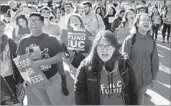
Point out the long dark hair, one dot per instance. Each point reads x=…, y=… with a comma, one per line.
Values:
x=79, y=17
x=21, y=16
x=93, y=58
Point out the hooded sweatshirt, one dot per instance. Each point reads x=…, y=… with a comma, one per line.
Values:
x=111, y=86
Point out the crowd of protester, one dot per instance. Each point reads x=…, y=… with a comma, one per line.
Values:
x=119, y=63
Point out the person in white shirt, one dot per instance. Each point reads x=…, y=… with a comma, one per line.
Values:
x=93, y=22
x=69, y=8
x=49, y=27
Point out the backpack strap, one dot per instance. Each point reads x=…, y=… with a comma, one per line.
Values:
x=133, y=42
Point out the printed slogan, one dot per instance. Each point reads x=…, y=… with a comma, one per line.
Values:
x=75, y=40
x=33, y=76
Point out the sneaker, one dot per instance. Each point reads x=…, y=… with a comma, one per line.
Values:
x=163, y=41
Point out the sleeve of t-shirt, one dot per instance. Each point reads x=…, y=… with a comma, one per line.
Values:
x=21, y=48
x=56, y=47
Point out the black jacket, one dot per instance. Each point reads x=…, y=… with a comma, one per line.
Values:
x=106, y=22
x=116, y=24
x=87, y=83
x=13, y=48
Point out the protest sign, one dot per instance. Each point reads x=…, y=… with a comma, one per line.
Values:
x=75, y=40
x=34, y=77
x=121, y=34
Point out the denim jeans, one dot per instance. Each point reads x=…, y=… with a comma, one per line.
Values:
x=166, y=27
x=50, y=94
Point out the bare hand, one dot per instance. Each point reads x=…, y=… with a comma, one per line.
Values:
x=35, y=63
x=36, y=55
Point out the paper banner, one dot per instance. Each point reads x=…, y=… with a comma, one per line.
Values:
x=75, y=40
x=34, y=77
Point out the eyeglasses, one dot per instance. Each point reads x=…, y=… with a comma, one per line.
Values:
x=146, y=20
x=36, y=21
x=108, y=47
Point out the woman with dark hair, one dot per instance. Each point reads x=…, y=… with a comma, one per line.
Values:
x=62, y=11
x=98, y=11
x=9, y=71
x=118, y=19
x=75, y=23
x=105, y=77
x=22, y=29
x=109, y=18
x=156, y=21
x=142, y=51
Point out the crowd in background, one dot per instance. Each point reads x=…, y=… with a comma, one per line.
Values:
x=120, y=59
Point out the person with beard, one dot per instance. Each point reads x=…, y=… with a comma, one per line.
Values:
x=109, y=18
x=49, y=27
x=105, y=76
x=93, y=21
x=142, y=51
x=69, y=8
x=118, y=19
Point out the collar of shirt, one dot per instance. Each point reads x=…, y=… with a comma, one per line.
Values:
x=141, y=36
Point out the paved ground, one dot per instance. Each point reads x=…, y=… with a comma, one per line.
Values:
x=158, y=95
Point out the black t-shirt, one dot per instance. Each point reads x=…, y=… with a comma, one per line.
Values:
x=43, y=42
